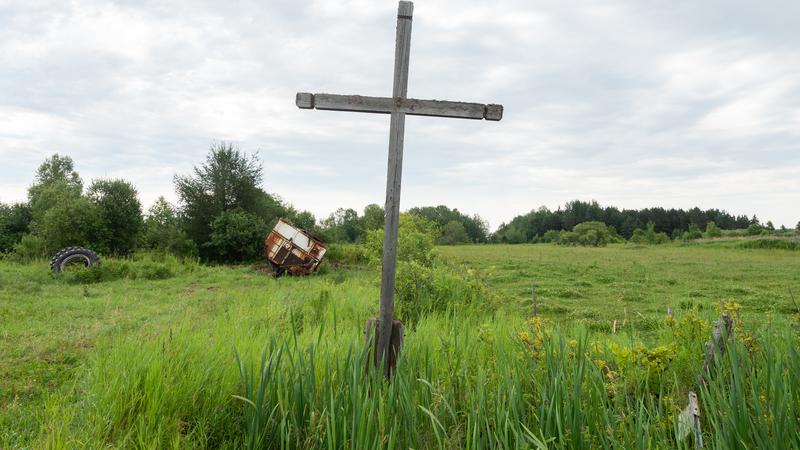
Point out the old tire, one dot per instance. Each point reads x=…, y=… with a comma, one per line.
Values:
x=70, y=255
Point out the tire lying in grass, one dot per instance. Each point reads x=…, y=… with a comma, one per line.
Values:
x=72, y=255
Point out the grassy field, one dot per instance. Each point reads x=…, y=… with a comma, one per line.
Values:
x=636, y=284
x=189, y=356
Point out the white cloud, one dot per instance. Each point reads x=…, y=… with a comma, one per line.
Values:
x=628, y=104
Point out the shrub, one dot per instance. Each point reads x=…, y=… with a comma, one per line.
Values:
x=754, y=229
x=30, y=248
x=237, y=236
x=414, y=242
x=587, y=234
x=421, y=290
x=712, y=230
x=109, y=270
x=141, y=267
x=345, y=254
x=75, y=222
x=638, y=237
x=551, y=236
x=693, y=233
x=648, y=236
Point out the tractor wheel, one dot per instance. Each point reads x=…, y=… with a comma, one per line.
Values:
x=71, y=255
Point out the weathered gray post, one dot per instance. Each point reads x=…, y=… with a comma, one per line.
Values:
x=398, y=106
x=393, y=177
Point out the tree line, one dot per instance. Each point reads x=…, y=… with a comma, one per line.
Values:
x=223, y=215
x=674, y=223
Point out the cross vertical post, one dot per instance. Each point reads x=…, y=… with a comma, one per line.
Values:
x=387, y=336
x=393, y=178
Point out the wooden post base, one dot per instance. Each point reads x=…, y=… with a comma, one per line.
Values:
x=395, y=345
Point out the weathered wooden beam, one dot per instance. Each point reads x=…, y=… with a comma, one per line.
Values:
x=410, y=106
x=395, y=344
x=722, y=329
x=394, y=173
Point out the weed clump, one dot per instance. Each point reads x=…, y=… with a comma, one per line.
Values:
x=141, y=267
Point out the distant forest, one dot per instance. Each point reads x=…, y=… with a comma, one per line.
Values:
x=224, y=213
x=674, y=222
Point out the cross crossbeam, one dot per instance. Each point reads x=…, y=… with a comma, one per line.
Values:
x=398, y=105
x=388, y=105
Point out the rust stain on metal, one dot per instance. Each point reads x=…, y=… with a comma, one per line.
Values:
x=292, y=250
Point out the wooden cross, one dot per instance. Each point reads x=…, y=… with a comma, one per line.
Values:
x=398, y=105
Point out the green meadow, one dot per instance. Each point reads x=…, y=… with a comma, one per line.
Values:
x=154, y=352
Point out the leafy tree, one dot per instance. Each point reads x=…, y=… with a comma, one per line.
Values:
x=121, y=211
x=453, y=233
x=237, y=236
x=56, y=183
x=302, y=219
x=14, y=223
x=770, y=226
x=415, y=241
x=797, y=227
x=228, y=180
x=476, y=228
x=343, y=225
x=162, y=231
x=74, y=222
x=514, y=236
x=373, y=217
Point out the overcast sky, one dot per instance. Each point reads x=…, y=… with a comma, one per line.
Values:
x=633, y=104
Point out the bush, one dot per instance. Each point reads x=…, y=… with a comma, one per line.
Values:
x=693, y=233
x=237, y=236
x=648, y=236
x=30, y=248
x=712, y=230
x=551, y=236
x=76, y=222
x=414, y=242
x=587, y=234
x=754, y=229
x=140, y=267
x=422, y=290
x=345, y=254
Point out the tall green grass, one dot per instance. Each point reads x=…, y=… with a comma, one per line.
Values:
x=461, y=382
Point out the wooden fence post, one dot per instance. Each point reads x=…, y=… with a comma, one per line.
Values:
x=722, y=329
